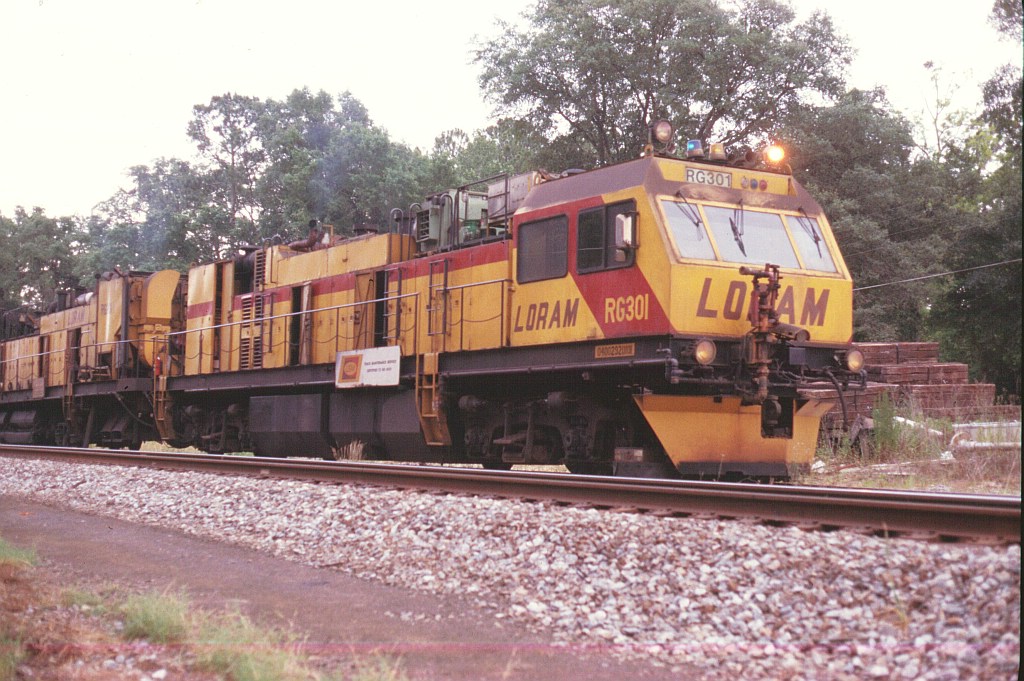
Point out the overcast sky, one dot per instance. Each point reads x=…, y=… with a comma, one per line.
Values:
x=91, y=88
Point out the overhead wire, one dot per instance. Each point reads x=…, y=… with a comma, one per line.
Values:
x=940, y=274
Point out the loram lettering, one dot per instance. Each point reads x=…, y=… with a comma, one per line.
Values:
x=812, y=308
x=545, y=315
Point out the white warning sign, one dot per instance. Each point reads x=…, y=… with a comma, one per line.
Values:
x=372, y=366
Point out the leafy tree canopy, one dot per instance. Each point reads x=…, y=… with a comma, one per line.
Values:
x=596, y=73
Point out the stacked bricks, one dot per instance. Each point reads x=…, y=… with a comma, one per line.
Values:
x=912, y=375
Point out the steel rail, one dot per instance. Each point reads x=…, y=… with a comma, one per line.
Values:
x=936, y=516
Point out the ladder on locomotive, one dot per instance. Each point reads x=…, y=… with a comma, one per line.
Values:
x=253, y=313
x=392, y=305
x=433, y=421
x=68, y=406
x=161, y=406
x=437, y=300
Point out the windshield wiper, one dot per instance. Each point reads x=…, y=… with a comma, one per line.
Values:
x=736, y=223
x=809, y=228
x=690, y=211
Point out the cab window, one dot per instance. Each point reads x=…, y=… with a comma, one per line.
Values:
x=596, y=245
x=809, y=241
x=543, y=251
x=688, y=230
x=750, y=237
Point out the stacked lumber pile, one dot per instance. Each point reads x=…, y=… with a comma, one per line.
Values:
x=918, y=374
x=883, y=354
x=858, y=402
x=912, y=376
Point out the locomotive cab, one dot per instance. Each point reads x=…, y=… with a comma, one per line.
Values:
x=710, y=294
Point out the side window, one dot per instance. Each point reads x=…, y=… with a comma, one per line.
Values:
x=597, y=247
x=590, y=240
x=543, y=251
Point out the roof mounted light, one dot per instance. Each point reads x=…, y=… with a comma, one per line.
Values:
x=774, y=154
x=694, y=149
x=716, y=151
x=661, y=131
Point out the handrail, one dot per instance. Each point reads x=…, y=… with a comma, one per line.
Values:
x=28, y=363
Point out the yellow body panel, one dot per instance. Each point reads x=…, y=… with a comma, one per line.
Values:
x=714, y=300
x=330, y=283
x=202, y=287
x=158, y=296
x=478, y=310
x=577, y=307
x=225, y=336
x=21, y=365
x=551, y=311
x=59, y=331
x=110, y=296
x=700, y=430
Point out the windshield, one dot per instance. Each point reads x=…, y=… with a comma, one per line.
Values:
x=688, y=230
x=746, y=236
x=813, y=250
x=750, y=237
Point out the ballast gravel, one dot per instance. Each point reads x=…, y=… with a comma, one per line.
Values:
x=735, y=599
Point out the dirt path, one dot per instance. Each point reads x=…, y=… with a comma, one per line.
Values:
x=437, y=638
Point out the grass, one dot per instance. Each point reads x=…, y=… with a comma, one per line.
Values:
x=13, y=562
x=377, y=668
x=13, y=557
x=226, y=644
x=159, y=618
x=232, y=646
x=908, y=450
x=12, y=653
x=81, y=598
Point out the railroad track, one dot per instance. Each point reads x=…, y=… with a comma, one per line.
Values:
x=920, y=515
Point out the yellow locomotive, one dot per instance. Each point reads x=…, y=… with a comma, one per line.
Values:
x=81, y=372
x=660, y=316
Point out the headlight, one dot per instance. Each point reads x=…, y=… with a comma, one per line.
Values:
x=704, y=352
x=854, y=360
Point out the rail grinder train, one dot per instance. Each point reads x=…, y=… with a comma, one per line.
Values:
x=658, y=317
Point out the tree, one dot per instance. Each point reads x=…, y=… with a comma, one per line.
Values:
x=889, y=213
x=446, y=159
x=9, y=293
x=944, y=126
x=329, y=161
x=597, y=72
x=166, y=220
x=40, y=256
x=227, y=138
x=978, y=316
x=1008, y=18
x=296, y=134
